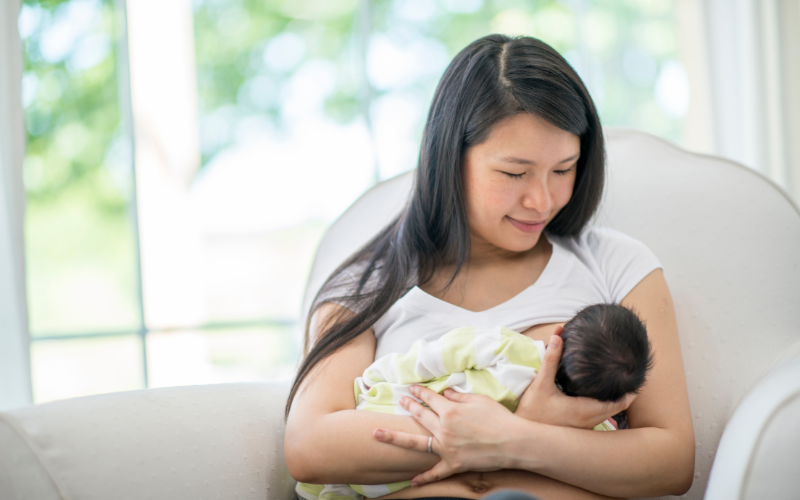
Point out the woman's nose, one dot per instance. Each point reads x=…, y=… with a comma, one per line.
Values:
x=537, y=197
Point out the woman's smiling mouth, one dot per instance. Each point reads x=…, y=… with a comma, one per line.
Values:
x=527, y=226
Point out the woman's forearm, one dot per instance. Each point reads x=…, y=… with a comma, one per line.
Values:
x=655, y=456
x=339, y=447
x=628, y=463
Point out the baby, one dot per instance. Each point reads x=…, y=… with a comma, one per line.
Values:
x=606, y=355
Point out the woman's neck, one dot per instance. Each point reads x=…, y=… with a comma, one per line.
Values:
x=485, y=254
x=491, y=277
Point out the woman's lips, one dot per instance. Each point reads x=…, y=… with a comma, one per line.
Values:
x=527, y=227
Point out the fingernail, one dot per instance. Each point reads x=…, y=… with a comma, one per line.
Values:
x=554, y=341
x=379, y=434
x=403, y=401
x=414, y=389
x=414, y=484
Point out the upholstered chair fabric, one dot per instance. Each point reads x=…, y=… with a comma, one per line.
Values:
x=217, y=441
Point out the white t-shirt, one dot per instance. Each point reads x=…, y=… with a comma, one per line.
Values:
x=600, y=266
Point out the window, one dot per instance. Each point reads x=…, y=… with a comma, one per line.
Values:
x=80, y=250
x=185, y=158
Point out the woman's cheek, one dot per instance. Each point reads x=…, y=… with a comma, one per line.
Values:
x=492, y=200
x=564, y=191
x=502, y=198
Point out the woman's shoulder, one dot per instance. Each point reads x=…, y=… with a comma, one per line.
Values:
x=621, y=261
x=602, y=242
x=605, y=240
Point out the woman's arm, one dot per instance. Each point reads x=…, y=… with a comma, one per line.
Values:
x=328, y=441
x=654, y=457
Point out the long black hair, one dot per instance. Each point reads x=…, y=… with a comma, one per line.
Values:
x=492, y=79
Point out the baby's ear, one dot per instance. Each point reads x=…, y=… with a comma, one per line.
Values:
x=559, y=330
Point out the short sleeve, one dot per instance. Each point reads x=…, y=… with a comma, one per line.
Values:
x=623, y=261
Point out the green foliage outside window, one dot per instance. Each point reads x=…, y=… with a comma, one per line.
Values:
x=79, y=249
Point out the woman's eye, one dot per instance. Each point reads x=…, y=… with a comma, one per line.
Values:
x=563, y=172
x=514, y=176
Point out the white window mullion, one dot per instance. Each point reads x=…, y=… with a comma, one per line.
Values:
x=163, y=93
x=127, y=123
x=15, y=378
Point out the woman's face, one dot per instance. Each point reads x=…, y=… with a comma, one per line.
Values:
x=516, y=181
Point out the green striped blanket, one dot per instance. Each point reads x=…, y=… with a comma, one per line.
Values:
x=496, y=362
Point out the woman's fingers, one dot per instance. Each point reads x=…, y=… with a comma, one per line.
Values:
x=436, y=473
x=552, y=357
x=415, y=442
x=466, y=432
x=624, y=403
x=424, y=416
x=458, y=397
x=592, y=412
x=431, y=398
x=617, y=406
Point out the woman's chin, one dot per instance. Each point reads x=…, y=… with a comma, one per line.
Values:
x=505, y=241
x=520, y=245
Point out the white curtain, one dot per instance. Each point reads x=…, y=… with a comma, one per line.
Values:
x=15, y=373
x=753, y=64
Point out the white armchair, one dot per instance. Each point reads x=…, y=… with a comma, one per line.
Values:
x=730, y=244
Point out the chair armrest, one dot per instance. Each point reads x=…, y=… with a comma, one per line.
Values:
x=759, y=453
x=181, y=442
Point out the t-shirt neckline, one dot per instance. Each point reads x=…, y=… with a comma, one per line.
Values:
x=544, y=286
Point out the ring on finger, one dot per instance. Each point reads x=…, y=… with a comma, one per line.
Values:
x=430, y=442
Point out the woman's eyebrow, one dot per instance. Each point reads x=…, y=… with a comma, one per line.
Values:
x=573, y=157
x=523, y=161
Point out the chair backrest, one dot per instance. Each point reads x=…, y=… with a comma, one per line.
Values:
x=729, y=241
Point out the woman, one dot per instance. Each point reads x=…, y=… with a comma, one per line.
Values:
x=512, y=148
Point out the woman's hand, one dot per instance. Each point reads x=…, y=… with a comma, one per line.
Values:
x=467, y=431
x=543, y=402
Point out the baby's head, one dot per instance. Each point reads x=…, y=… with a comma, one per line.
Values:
x=606, y=353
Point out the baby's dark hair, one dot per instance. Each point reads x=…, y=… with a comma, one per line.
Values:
x=606, y=353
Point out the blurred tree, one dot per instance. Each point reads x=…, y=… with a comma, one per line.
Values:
x=248, y=51
x=77, y=171
x=72, y=111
